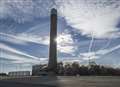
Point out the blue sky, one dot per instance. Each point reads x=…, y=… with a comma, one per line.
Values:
x=86, y=29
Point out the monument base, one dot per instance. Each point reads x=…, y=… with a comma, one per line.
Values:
x=51, y=73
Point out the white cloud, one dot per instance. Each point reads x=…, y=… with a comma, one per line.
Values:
x=64, y=39
x=69, y=59
x=25, y=10
x=89, y=17
x=12, y=38
x=2, y=8
x=7, y=48
x=65, y=43
x=93, y=17
x=17, y=56
x=34, y=38
x=116, y=65
x=99, y=53
x=66, y=49
x=25, y=38
x=106, y=51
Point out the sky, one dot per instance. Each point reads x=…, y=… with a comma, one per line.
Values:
x=87, y=29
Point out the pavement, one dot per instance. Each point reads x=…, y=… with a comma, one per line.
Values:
x=62, y=81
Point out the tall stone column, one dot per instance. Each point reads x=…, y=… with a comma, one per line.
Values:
x=52, y=63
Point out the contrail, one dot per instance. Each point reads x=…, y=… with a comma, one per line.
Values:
x=107, y=45
x=107, y=51
x=91, y=44
x=7, y=48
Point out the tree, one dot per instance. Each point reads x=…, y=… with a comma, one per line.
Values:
x=60, y=68
x=75, y=68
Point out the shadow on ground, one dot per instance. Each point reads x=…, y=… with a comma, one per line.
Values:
x=45, y=81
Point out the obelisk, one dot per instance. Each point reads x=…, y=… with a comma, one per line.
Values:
x=52, y=63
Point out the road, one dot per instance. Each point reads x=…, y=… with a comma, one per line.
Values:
x=66, y=81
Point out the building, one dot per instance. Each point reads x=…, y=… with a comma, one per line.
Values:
x=19, y=73
x=38, y=70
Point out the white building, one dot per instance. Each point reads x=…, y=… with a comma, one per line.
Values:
x=19, y=73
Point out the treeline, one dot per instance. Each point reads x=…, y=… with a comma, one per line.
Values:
x=3, y=74
x=77, y=69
